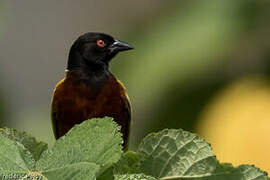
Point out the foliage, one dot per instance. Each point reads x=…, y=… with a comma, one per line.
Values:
x=92, y=150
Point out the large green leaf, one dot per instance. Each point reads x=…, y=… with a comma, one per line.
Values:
x=86, y=151
x=172, y=153
x=243, y=172
x=18, y=153
x=30, y=143
x=95, y=141
x=180, y=155
x=76, y=171
x=14, y=157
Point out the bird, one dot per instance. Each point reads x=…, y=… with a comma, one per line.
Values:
x=89, y=89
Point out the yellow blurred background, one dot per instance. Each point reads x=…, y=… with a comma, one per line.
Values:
x=202, y=66
x=237, y=122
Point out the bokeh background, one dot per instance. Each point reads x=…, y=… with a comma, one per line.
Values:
x=203, y=66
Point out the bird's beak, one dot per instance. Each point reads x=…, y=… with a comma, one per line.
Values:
x=118, y=46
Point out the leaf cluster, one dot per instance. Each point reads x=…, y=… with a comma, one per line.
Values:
x=92, y=150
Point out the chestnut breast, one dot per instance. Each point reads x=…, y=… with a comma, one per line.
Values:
x=74, y=101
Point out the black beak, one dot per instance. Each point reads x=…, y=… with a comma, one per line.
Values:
x=118, y=46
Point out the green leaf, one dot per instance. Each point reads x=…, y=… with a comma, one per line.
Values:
x=106, y=173
x=180, y=155
x=130, y=163
x=96, y=141
x=133, y=177
x=224, y=168
x=14, y=157
x=74, y=171
x=172, y=153
x=251, y=172
x=18, y=153
x=26, y=140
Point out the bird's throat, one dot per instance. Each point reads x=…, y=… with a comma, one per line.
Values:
x=95, y=80
x=92, y=73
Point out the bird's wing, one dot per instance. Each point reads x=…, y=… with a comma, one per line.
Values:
x=55, y=117
x=127, y=117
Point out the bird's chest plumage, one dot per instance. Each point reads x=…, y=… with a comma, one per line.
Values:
x=75, y=101
x=87, y=102
x=105, y=102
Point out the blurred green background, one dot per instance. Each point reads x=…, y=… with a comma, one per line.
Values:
x=202, y=66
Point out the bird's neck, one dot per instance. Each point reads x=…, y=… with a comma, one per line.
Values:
x=93, y=74
x=84, y=74
x=94, y=80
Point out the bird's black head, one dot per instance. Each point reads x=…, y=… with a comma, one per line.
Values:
x=93, y=51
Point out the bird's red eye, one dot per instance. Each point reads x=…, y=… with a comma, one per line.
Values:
x=100, y=43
